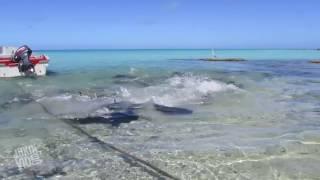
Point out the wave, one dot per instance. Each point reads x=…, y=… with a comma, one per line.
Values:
x=176, y=91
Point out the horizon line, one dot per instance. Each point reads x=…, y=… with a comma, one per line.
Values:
x=102, y=49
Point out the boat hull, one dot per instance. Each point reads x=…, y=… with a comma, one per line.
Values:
x=8, y=68
x=13, y=71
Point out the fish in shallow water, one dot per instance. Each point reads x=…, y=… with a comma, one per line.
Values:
x=21, y=99
x=123, y=105
x=172, y=110
x=115, y=119
x=124, y=76
x=129, y=79
x=51, y=73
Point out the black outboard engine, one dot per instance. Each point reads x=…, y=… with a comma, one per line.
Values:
x=22, y=56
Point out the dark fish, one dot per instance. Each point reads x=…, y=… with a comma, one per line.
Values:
x=172, y=110
x=123, y=106
x=47, y=174
x=129, y=79
x=115, y=119
x=124, y=76
x=51, y=73
x=4, y=120
x=21, y=99
x=134, y=82
x=317, y=110
x=241, y=86
x=178, y=74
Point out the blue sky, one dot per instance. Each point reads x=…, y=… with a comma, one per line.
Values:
x=69, y=24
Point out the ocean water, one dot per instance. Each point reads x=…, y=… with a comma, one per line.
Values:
x=258, y=119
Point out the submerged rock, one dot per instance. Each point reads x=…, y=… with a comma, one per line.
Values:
x=172, y=110
x=115, y=119
x=275, y=150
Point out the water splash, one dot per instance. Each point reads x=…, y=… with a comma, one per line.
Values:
x=177, y=90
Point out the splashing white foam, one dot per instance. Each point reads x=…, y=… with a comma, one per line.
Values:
x=178, y=90
x=67, y=104
x=175, y=91
x=124, y=92
x=133, y=71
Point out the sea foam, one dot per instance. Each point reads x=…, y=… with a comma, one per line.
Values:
x=177, y=90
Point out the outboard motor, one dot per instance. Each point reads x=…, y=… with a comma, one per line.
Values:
x=22, y=56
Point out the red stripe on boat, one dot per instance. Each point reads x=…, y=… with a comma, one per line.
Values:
x=7, y=61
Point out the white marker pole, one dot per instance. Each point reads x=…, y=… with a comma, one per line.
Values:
x=213, y=54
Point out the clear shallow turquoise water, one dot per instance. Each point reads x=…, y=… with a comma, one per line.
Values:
x=63, y=60
x=254, y=119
